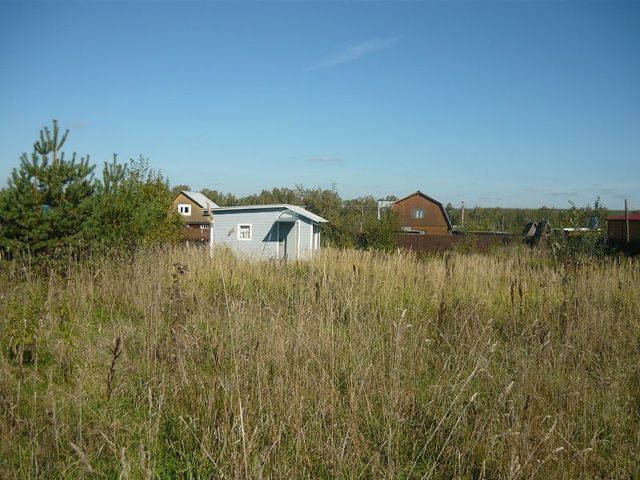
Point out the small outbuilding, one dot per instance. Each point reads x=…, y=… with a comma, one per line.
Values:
x=534, y=232
x=419, y=213
x=617, y=227
x=619, y=230
x=279, y=231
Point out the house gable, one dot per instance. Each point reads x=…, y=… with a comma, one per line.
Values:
x=423, y=213
x=195, y=213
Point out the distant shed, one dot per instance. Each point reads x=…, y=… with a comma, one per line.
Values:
x=617, y=232
x=280, y=231
x=534, y=232
x=422, y=214
x=617, y=227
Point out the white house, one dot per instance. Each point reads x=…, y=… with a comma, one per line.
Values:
x=278, y=231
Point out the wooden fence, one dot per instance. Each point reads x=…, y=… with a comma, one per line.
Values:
x=480, y=242
x=632, y=248
x=196, y=234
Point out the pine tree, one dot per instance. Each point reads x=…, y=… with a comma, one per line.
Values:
x=46, y=204
x=110, y=225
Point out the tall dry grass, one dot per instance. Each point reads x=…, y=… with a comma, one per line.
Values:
x=353, y=365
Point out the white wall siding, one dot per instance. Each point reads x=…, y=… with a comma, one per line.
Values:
x=306, y=230
x=264, y=233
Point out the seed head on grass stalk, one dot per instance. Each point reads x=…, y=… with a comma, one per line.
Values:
x=116, y=351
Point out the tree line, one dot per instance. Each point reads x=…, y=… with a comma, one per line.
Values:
x=513, y=220
x=351, y=218
x=55, y=205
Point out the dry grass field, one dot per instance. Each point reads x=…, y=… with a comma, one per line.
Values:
x=353, y=365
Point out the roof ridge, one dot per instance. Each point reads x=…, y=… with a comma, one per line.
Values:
x=294, y=208
x=192, y=195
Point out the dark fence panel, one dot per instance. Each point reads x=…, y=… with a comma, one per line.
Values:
x=438, y=243
x=632, y=248
x=196, y=234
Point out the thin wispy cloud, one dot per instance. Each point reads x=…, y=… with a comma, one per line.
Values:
x=355, y=51
x=326, y=160
x=564, y=194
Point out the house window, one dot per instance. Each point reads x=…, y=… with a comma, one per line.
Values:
x=244, y=232
x=184, y=209
x=418, y=213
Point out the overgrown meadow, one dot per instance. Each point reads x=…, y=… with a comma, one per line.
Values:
x=171, y=364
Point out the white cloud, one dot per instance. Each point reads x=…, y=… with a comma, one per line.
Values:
x=355, y=51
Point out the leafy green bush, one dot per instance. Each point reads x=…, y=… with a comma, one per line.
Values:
x=54, y=208
x=380, y=234
x=133, y=207
x=579, y=245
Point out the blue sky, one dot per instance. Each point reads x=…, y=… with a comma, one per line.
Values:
x=497, y=104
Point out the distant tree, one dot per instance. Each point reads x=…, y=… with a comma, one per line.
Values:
x=584, y=217
x=452, y=213
x=219, y=198
x=322, y=201
x=380, y=234
x=360, y=211
x=276, y=195
x=479, y=224
x=573, y=247
x=328, y=204
x=179, y=188
x=48, y=198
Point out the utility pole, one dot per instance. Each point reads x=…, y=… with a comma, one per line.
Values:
x=462, y=216
x=626, y=220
